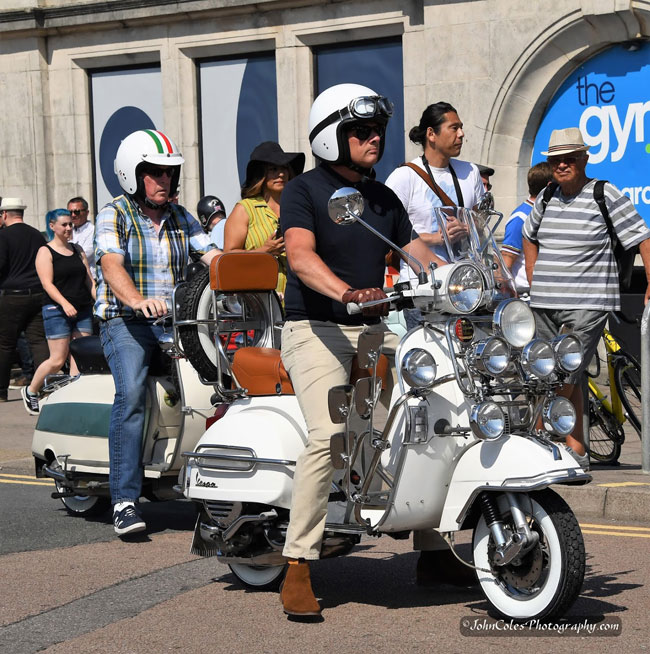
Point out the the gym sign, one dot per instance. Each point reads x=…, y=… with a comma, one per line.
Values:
x=608, y=98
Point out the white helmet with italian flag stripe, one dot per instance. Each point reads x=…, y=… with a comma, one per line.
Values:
x=145, y=146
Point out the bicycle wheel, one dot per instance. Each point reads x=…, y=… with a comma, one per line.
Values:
x=605, y=434
x=627, y=376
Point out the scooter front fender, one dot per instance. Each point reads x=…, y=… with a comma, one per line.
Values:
x=512, y=463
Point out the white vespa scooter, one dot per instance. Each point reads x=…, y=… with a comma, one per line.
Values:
x=459, y=449
x=70, y=442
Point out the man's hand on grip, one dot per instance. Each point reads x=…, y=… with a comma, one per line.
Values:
x=359, y=296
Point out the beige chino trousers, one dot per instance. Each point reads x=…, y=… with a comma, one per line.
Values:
x=317, y=356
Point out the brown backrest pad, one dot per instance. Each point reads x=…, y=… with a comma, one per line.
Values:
x=243, y=271
x=261, y=372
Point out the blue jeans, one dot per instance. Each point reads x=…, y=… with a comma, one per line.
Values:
x=128, y=346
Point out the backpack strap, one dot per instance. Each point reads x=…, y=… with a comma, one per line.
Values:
x=548, y=194
x=599, y=196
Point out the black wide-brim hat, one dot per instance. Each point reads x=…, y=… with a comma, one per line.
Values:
x=270, y=152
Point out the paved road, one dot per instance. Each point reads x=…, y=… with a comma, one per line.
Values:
x=68, y=585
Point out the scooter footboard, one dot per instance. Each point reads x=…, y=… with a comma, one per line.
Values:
x=510, y=463
x=249, y=455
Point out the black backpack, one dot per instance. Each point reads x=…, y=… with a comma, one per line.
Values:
x=624, y=258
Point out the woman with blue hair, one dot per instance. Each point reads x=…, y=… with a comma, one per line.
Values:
x=63, y=270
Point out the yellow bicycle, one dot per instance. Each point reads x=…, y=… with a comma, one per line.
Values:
x=607, y=416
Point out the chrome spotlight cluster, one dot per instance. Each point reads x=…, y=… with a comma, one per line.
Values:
x=513, y=347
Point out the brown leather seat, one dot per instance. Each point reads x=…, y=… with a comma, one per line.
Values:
x=260, y=371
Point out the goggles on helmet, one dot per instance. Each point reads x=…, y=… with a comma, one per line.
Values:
x=364, y=107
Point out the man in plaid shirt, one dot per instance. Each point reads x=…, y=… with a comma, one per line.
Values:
x=142, y=248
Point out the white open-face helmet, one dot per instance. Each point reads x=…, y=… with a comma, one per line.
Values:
x=338, y=106
x=145, y=146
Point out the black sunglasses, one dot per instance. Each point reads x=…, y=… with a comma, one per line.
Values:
x=364, y=132
x=157, y=173
x=567, y=159
x=76, y=212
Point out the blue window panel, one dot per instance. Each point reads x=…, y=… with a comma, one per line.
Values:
x=238, y=111
x=377, y=65
x=123, y=101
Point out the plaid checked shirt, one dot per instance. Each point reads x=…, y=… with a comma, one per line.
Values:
x=155, y=262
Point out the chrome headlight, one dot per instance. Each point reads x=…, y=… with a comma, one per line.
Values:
x=568, y=351
x=538, y=359
x=465, y=288
x=488, y=421
x=514, y=320
x=559, y=416
x=419, y=368
x=490, y=356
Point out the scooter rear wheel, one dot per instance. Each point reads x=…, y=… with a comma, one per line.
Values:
x=197, y=303
x=259, y=577
x=84, y=506
x=544, y=582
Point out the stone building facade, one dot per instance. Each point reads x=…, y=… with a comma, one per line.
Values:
x=498, y=61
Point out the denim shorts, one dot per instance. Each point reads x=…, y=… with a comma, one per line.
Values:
x=58, y=325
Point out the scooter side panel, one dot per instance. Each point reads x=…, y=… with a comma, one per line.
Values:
x=273, y=428
x=74, y=420
x=422, y=470
x=196, y=396
x=510, y=462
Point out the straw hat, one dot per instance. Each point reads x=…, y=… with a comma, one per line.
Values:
x=565, y=141
x=12, y=204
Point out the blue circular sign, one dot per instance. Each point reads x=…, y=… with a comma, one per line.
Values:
x=607, y=98
x=122, y=123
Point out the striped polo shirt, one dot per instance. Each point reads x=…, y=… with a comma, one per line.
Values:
x=575, y=267
x=155, y=261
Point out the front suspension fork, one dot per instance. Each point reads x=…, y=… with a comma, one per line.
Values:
x=509, y=544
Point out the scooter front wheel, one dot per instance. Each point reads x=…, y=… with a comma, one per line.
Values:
x=259, y=577
x=84, y=506
x=544, y=582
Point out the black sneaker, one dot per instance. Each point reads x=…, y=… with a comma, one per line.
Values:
x=30, y=401
x=128, y=521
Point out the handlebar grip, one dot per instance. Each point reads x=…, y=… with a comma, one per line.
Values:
x=353, y=308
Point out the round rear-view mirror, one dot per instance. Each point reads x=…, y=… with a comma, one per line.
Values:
x=345, y=206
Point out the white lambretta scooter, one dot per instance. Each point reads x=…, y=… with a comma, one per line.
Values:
x=70, y=442
x=460, y=449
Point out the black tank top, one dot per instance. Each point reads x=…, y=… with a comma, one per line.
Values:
x=70, y=279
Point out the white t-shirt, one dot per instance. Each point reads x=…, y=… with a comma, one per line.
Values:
x=420, y=201
x=84, y=237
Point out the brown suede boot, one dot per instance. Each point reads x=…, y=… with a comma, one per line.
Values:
x=296, y=594
x=442, y=567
